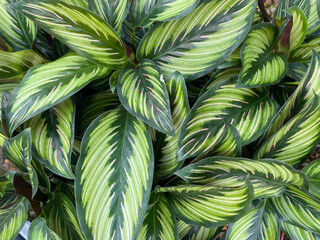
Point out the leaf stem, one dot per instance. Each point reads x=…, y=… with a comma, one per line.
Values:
x=290, y=83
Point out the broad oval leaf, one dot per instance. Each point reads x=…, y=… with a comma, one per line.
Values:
x=296, y=233
x=312, y=171
x=144, y=12
x=220, y=115
x=39, y=230
x=143, y=93
x=49, y=84
x=191, y=232
x=114, y=176
x=81, y=30
x=209, y=206
x=197, y=43
x=52, y=135
x=261, y=65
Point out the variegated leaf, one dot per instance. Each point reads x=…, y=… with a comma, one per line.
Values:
x=61, y=216
x=144, y=12
x=18, y=31
x=143, y=93
x=299, y=27
x=39, y=230
x=49, y=84
x=209, y=206
x=296, y=233
x=304, y=53
x=233, y=60
x=280, y=11
x=114, y=176
x=160, y=220
x=313, y=19
x=261, y=65
x=312, y=171
x=114, y=12
x=260, y=223
x=79, y=3
x=113, y=81
x=81, y=30
x=191, y=232
x=130, y=35
x=197, y=43
x=297, y=139
x=222, y=114
x=52, y=135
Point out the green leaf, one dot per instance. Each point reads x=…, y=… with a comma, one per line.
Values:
x=190, y=232
x=114, y=176
x=209, y=206
x=259, y=223
x=280, y=11
x=197, y=43
x=81, y=30
x=298, y=208
x=18, y=31
x=13, y=215
x=52, y=134
x=143, y=93
x=169, y=162
x=313, y=19
x=144, y=12
x=295, y=141
x=159, y=221
x=80, y=3
x=222, y=114
x=49, y=84
x=299, y=27
x=304, y=53
x=261, y=65
x=296, y=233
x=113, y=81
x=114, y=12
x=312, y=171
x=39, y=230
x=60, y=215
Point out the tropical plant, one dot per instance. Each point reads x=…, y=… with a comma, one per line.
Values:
x=172, y=119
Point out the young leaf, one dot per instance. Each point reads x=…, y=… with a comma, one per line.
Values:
x=114, y=176
x=299, y=27
x=312, y=171
x=49, y=84
x=143, y=93
x=81, y=30
x=197, y=43
x=296, y=233
x=191, y=232
x=39, y=230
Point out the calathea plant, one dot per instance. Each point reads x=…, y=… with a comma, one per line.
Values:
x=173, y=119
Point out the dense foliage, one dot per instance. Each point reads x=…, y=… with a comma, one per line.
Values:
x=160, y=119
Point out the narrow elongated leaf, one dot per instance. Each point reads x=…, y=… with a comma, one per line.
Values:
x=81, y=30
x=260, y=223
x=160, y=220
x=299, y=28
x=49, y=84
x=261, y=65
x=169, y=162
x=39, y=230
x=197, y=43
x=114, y=12
x=220, y=115
x=114, y=176
x=296, y=233
x=144, y=12
x=297, y=139
x=52, y=136
x=313, y=19
x=283, y=5
x=143, y=93
x=18, y=31
x=13, y=215
x=60, y=215
x=190, y=232
x=298, y=208
x=312, y=171
x=209, y=206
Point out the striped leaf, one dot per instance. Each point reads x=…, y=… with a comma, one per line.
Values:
x=159, y=221
x=299, y=27
x=60, y=215
x=169, y=162
x=297, y=71
x=143, y=93
x=6, y=87
x=13, y=215
x=39, y=230
x=49, y=84
x=312, y=171
x=282, y=93
x=114, y=12
x=52, y=134
x=222, y=114
x=144, y=12
x=261, y=65
x=260, y=223
x=114, y=176
x=295, y=141
x=233, y=60
x=81, y=30
x=298, y=208
x=303, y=54
x=300, y=99
x=113, y=81
x=296, y=233
x=209, y=206
x=313, y=19
x=18, y=151
x=80, y=3
x=283, y=5
x=18, y=31
x=130, y=35
x=190, y=232
x=197, y=43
